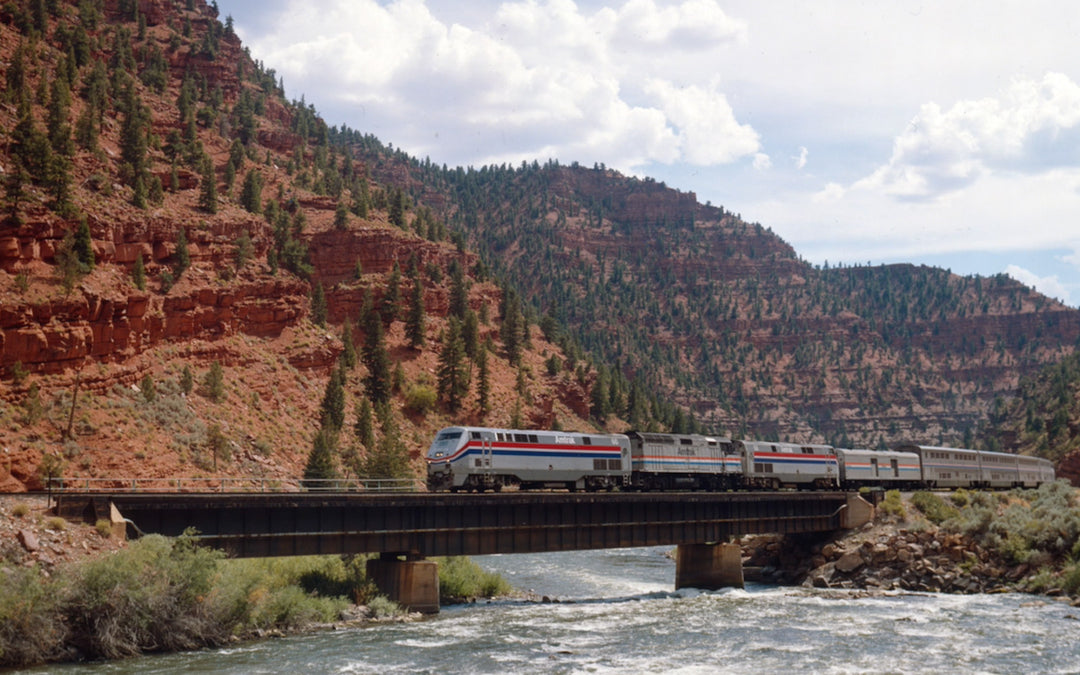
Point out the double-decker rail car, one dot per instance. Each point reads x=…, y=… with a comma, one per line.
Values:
x=998, y=470
x=947, y=467
x=682, y=462
x=481, y=458
x=775, y=465
x=873, y=468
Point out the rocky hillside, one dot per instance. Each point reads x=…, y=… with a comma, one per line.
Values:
x=185, y=254
x=1042, y=417
x=695, y=301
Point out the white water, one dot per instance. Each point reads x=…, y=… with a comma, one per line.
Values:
x=617, y=613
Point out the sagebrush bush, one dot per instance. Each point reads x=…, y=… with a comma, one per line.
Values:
x=420, y=399
x=32, y=627
x=461, y=577
x=893, y=505
x=936, y=509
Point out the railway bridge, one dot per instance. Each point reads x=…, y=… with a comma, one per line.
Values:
x=407, y=528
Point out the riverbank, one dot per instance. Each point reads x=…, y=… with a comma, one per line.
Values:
x=960, y=542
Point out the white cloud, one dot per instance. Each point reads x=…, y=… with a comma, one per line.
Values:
x=1050, y=286
x=541, y=79
x=800, y=161
x=1033, y=126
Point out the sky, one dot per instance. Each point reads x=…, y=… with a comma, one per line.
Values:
x=862, y=132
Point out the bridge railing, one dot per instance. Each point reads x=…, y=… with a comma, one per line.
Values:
x=227, y=484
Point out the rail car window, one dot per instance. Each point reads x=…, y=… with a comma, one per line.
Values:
x=585, y=440
x=807, y=451
x=763, y=468
x=521, y=438
x=685, y=441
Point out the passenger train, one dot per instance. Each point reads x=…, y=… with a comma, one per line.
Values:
x=481, y=458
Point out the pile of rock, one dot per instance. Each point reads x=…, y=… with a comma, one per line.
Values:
x=885, y=558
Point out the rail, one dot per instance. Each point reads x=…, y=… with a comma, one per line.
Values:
x=223, y=484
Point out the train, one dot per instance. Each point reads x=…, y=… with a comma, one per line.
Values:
x=467, y=458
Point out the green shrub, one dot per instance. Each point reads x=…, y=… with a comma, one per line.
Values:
x=420, y=399
x=893, y=505
x=460, y=577
x=960, y=498
x=382, y=607
x=150, y=595
x=103, y=527
x=936, y=509
x=32, y=628
x=56, y=524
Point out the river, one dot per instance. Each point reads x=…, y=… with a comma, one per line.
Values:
x=616, y=612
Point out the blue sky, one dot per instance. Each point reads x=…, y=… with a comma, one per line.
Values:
x=942, y=133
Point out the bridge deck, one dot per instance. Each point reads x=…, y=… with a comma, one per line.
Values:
x=282, y=524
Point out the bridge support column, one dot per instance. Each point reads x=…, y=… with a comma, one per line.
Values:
x=858, y=512
x=708, y=566
x=413, y=584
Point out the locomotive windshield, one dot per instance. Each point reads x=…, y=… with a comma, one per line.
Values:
x=448, y=436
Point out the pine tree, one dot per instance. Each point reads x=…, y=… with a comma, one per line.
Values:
x=452, y=374
x=348, y=352
x=318, y=306
x=214, y=383
x=341, y=217
x=389, y=458
x=392, y=295
x=397, y=208
x=512, y=330
x=459, y=292
x=138, y=273
x=332, y=408
x=208, y=187
x=251, y=193
x=68, y=267
x=84, y=245
x=320, y=465
x=181, y=257
x=483, y=385
x=365, y=424
x=377, y=360
x=414, y=324
x=470, y=334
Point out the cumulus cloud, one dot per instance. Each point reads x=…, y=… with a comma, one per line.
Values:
x=540, y=79
x=1032, y=127
x=1050, y=286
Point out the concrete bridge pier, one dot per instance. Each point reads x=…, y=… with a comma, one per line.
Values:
x=408, y=580
x=708, y=566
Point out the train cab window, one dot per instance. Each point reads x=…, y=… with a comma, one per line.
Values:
x=449, y=436
x=585, y=440
x=521, y=438
x=533, y=438
x=476, y=435
x=807, y=451
x=685, y=441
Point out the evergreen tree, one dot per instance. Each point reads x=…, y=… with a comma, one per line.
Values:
x=348, y=353
x=512, y=330
x=181, y=257
x=187, y=378
x=392, y=296
x=332, y=408
x=483, y=385
x=470, y=334
x=318, y=306
x=320, y=465
x=390, y=457
x=84, y=246
x=452, y=372
x=208, y=187
x=365, y=424
x=414, y=324
x=397, y=208
x=68, y=267
x=214, y=382
x=133, y=134
x=138, y=273
x=251, y=193
x=377, y=360
x=341, y=217
x=459, y=292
